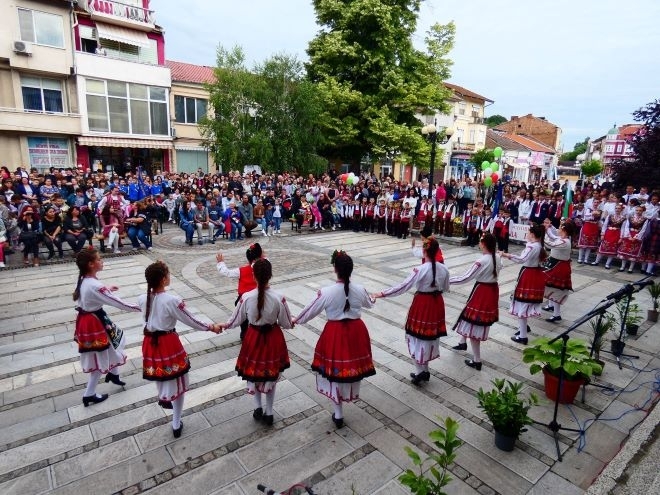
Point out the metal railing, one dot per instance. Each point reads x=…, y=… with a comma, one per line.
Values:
x=119, y=9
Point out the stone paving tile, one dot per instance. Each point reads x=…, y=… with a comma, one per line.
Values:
x=34, y=483
x=365, y=476
x=579, y=468
x=552, y=484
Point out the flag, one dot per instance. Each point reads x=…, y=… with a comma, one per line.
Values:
x=498, y=200
x=143, y=189
x=568, y=201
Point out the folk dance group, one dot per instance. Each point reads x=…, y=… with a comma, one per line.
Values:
x=342, y=357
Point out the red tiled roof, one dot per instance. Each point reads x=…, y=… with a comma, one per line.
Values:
x=190, y=73
x=466, y=92
x=530, y=143
x=629, y=130
x=501, y=139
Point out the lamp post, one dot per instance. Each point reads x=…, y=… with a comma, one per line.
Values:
x=430, y=132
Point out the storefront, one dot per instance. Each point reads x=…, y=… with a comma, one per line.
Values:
x=45, y=152
x=189, y=159
x=460, y=165
x=114, y=155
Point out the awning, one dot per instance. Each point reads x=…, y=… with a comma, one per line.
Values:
x=122, y=35
x=189, y=148
x=109, y=142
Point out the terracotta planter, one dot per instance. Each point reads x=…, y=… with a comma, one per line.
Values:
x=569, y=388
x=504, y=442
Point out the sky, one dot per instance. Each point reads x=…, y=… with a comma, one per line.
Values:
x=583, y=64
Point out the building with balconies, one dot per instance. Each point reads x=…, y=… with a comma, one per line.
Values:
x=39, y=110
x=123, y=87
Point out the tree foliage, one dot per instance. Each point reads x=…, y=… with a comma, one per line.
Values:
x=266, y=116
x=591, y=168
x=484, y=155
x=643, y=168
x=495, y=120
x=373, y=81
x=578, y=149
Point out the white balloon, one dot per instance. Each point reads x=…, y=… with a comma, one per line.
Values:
x=488, y=172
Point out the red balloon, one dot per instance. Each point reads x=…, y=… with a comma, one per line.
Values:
x=343, y=177
x=494, y=176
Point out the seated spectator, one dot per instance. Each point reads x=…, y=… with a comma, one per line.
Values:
x=139, y=226
x=216, y=224
x=76, y=229
x=234, y=222
x=51, y=229
x=187, y=221
x=29, y=235
x=201, y=216
x=247, y=215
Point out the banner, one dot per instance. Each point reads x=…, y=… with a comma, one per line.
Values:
x=518, y=232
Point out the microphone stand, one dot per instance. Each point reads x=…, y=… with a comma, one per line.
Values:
x=554, y=426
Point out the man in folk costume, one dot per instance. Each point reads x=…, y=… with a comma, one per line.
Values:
x=555, y=211
x=371, y=215
x=467, y=216
x=501, y=230
x=380, y=214
x=393, y=218
x=439, y=223
x=449, y=213
x=357, y=216
x=539, y=210
x=347, y=215
x=404, y=222
x=475, y=225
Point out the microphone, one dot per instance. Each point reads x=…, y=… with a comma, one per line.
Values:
x=642, y=283
x=623, y=291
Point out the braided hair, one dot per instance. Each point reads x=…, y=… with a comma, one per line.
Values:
x=154, y=274
x=538, y=231
x=83, y=259
x=344, y=268
x=431, y=248
x=490, y=242
x=263, y=272
x=253, y=252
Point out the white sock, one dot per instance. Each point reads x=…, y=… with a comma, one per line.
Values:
x=463, y=340
x=257, y=399
x=623, y=264
x=177, y=409
x=339, y=412
x=556, y=309
x=580, y=254
x=419, y=368
x=94, y=378
x=649, y=267
x=609, y=261
x=599, y=257
x=632, y=266
x=587, y=253
x=522, y=327
x=425, y=367
x=476, y=350
x=270, y=398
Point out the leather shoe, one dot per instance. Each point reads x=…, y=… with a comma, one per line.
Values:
x=519, y=340
x=553, y=319
x=339, y=422
x=94, y=399
x=111, y=377
x=177, y=432
x=529, y=330
x=547, y=308
x=473, y=364
x=267, y=419
x=258, y=414
x=424, y=376
x=165, y=404
x=460, y=347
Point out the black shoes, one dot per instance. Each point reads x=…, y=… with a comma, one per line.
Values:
x=267, y=419
x=519, y=340
x=473, y=364
x=258, y=414
x=111, y=377
x=529, y=330
x=177, y=432
x=339, y=422
x=547, y=308
x=94, y=399
x=553, y=319
x=460, y=347
x=165, y=404
x=416, y=379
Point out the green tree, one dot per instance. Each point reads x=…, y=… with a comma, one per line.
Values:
x=495, y=120
x=578, y=149
x=266, y=116
x=373, y=81
x=481, y=156
x=591, y=168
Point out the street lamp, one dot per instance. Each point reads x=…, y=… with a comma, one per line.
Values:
x=430, y=132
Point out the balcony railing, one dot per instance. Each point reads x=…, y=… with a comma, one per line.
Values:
x=122, y=10
x=463, y=146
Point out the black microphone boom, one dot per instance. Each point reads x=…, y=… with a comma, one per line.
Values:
x=643, y=283
x=623, y=291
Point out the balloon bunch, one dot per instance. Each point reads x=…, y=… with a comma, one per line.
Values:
x=489, y=169
x=350, y=179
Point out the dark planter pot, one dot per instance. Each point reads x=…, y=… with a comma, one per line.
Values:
x=504, y=442
x=632, y=329
x=652, y=315
x=569, y=388
x=602, y=364
x=617, y=347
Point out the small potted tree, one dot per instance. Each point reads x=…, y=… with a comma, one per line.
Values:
x=578, y=366
x=631, y=319
x=507, y=411
x=600, y=328
x=654, y=292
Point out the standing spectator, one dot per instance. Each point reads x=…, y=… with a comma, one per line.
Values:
x=342, y=357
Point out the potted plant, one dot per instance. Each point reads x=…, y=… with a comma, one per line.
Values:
x=578, y=366
x=654, y=292
x=632, y=319
x=507, y=411
x=600, y=328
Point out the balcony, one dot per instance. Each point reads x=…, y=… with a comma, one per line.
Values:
x=15, y=120
x=478, y=120
x=458, y=146
x=120, y=13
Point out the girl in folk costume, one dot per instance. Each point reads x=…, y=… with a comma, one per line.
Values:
x=100, y=342
x=418, y=252
x=651, y=245
x=611, y=236
x=558, y=267
x=425, y=323
x=342, y=357
x=163, y=358
x=425, y=208
x=481, y=309
x=244, y=274
x=404, y=221
x=381, y=215
x=449, y=213
x=488, y=221
x=501, y=230
x=588, y=239
x=264, y=354
x=530, y=288
x=633, y=233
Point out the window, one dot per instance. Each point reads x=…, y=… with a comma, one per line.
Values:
x=41, y=28
x=45, y=152
x=42, y=95
x=126, y=108
x=472, y=135
x=461, y=108
x=476, y=109
x=189, y=110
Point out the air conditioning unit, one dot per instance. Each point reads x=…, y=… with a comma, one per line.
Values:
x=173, y=132
x=22, y=47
